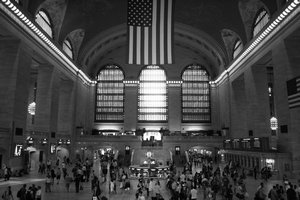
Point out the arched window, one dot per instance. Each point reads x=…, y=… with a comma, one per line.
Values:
x=261, y=20
x=110, y=95
x=238, y=47
x=195, y=94
x=44, y=21
x=67, y=47
x=152, y=105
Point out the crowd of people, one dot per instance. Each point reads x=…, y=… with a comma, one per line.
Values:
x=199, y=177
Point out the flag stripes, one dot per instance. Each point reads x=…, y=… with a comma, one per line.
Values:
x=293, y=89
x=150, y=32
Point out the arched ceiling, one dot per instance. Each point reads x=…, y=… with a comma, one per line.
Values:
x=198, y=29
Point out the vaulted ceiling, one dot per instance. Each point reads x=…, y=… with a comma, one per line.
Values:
x=205, y=30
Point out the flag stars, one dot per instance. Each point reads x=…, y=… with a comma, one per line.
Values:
x=139, y=13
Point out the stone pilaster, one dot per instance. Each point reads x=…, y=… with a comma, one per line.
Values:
x=174, y=105
x=47, y=99
x=238, y=105
x=130, y=106
x=66, y=108
x=256, y=91
x=14, y=82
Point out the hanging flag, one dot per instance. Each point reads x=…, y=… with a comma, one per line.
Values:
x=150, y=32
x=293, y=89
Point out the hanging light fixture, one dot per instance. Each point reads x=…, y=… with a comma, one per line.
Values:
x=31, y=108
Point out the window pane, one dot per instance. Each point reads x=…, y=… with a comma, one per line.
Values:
x=238, y=47
x=110, y=95
x=152, y=95
x=44, y=22
x=67, y=47
x=261, y=20
x=195, y=95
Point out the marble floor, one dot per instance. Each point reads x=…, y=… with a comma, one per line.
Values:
x=59, y=191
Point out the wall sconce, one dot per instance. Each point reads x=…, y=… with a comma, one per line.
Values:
x=44, y=141
x=274, y=123
x=60, y=141
x=29, y=140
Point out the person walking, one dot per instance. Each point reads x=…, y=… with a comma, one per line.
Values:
x=48, y=183
x=77, y=182
x=272, y=195
x=7, y=195
x=194, y=193
x=255, y=172
x=260, y=195
x=21, y=194
x=58, y=175
x=291, y=193
x=68, y=181
x=38, y=195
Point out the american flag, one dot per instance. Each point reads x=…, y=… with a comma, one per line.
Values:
x=150, y=32
x=293, y=90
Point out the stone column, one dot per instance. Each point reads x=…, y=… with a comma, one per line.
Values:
x=14, y=82
x=223, y=95
x=47, y=100
x=214, y=108
x=238, y=108
x=130, y=106
x=174, y=106
x=66, y=108
x=257, y=110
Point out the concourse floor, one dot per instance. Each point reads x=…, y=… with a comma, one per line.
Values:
x=59, y=191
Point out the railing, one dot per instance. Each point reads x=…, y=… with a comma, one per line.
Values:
x=152, y=143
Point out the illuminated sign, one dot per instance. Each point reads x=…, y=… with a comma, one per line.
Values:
x=18, y=149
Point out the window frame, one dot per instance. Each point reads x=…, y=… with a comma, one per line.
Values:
x=257, y=21
x=188, y=94
x=68, y=47
x=112, y=94
x=48, y=21
x=235, y=48
x=165, y=94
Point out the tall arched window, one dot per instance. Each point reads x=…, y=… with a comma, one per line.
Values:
x=110, y=95
x=44, y=21
x=195, y=94
x=261, y=20
x=152, y=95
x=67, y=47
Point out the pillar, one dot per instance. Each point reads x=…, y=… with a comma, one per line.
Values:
x=174, y=106
x=130, y=106
x=14, y=82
